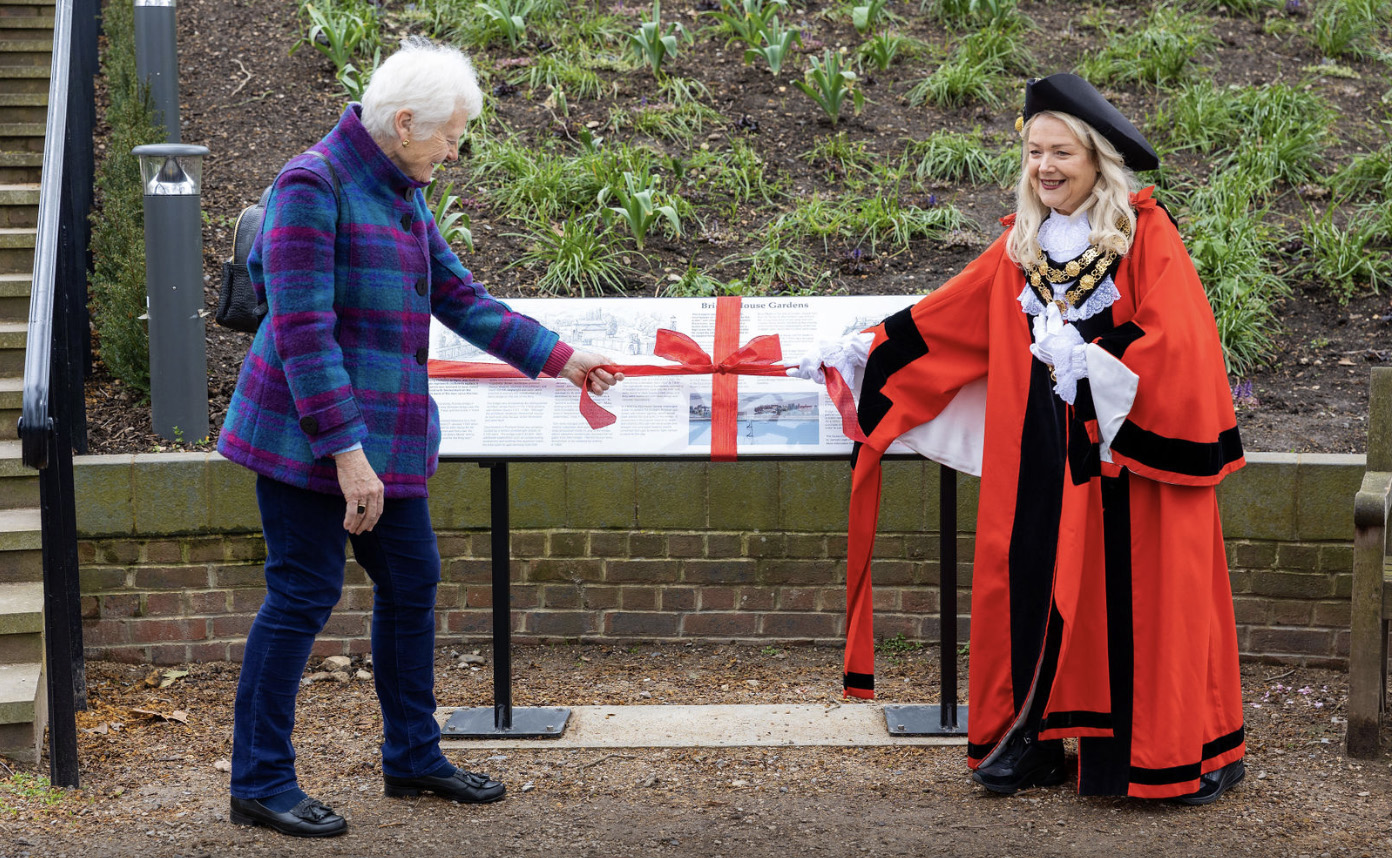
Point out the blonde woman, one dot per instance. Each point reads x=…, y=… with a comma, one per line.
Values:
x=1075, y=366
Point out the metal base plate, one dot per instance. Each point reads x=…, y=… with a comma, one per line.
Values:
x=531, y=722
x=923, y=721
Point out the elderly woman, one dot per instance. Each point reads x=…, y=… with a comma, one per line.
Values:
x=1075, y=366
x=333, y=414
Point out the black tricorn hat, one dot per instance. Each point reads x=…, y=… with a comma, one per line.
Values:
x=1068, y=93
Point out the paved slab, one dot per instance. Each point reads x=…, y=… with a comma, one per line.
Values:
x=851, y=725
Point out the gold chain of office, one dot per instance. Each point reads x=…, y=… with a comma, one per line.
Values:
x=1089, y=269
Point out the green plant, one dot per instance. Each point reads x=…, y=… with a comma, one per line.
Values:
x=1347, y=28
x=652, y=45
x=561, y=70
x=829, y=84
x=778, y=44
x=340, y=32
x=22, y=791
x=998, y=46
x=746, y=20
x=117, y=284
x=1160, y=53
x=964, y=13
x=694, y=283
x=354, y=79
x=640, y=205
x=776, y=268
x=452, y=222
x=956, y=83
x=508, y=17
x=898, y=645
x=880, y=49
x=1253, y=9
x=1368, y=172
x=737, y=172
x=1345, y=258
x=576, y=259
x=948, y=157
x=840, y=155
x=866, y=15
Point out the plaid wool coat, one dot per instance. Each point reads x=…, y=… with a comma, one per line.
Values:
x=352, y=279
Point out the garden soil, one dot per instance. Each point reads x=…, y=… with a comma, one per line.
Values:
x=153, y=744
x=254, y=105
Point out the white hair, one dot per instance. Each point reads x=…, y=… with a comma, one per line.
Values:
x=1109, y=201
x=430, y=80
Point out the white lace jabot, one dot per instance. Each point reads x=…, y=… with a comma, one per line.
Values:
x=1065, y=237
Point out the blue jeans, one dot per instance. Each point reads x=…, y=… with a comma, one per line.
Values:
x=305, y=561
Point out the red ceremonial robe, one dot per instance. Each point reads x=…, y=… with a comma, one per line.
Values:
x=1101, y=606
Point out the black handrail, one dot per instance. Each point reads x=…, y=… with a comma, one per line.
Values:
x=54, y=361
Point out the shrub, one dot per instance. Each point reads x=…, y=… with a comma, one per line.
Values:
x=118, y=220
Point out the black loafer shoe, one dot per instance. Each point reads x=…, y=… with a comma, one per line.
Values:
x=1024, y=762
x=463, y=786
x=1215, y=783
x=309, y=818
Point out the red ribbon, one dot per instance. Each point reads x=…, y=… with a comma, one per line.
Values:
x=759, y=356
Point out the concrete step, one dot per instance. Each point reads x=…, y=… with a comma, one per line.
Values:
x=24, y=114
x=23, y=714
x=16, y=255
x=21, y=167
x=20, y=531
x=13, y=338
x=22, y=136
x=26, y=52
x=21, y=623
x=19, y=205
x=19, y=484
x=11, y=406
x=14, y=302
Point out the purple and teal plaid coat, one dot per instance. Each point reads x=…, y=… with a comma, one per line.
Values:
x=352, y=283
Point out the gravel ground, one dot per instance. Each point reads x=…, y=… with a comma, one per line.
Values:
x=154, y=780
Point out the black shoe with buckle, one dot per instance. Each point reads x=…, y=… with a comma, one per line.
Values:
x=462, y=786
x=1024, y=762
x=309, y=818
x=1215, y=783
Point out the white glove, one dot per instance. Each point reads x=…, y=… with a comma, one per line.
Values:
x=1059, y=345
x=846, y=355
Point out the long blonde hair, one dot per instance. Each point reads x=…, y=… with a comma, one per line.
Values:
x=1108, y=202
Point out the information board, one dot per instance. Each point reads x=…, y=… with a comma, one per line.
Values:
x=656, y=416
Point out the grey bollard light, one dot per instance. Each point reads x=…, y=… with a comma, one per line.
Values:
x=157, y=61
x=172, y=175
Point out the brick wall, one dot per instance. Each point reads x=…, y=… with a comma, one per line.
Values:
x=171, y=555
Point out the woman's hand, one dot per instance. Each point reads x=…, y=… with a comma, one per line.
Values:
x=361, y=489
x=847, y=356
x=579, y=366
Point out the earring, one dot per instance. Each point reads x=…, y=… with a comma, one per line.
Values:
x=405, y=143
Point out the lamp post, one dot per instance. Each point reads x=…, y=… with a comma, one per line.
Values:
x=171, y=174
x=157, y=61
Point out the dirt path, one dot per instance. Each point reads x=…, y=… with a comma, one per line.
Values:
x=153, y=785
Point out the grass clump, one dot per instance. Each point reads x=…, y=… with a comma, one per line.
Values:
x=1160, y=53
x=577, y=259
x=1346, y=258
x=949, y=157
x=1368, y=173
x=1349, y=28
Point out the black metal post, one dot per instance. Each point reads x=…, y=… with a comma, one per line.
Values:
x=947, y=594
x=503, y=720
x=500, y=504
x=947, y=718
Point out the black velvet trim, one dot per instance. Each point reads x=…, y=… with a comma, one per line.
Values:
x=1034, y=531
x=1118, y=339
x=1160, y=777
x=980, y=752
x=859, y=681
x=1070, y=720
x=1223, y=744
x=903, y=345
x=1177, y=456
x=1106, y=762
